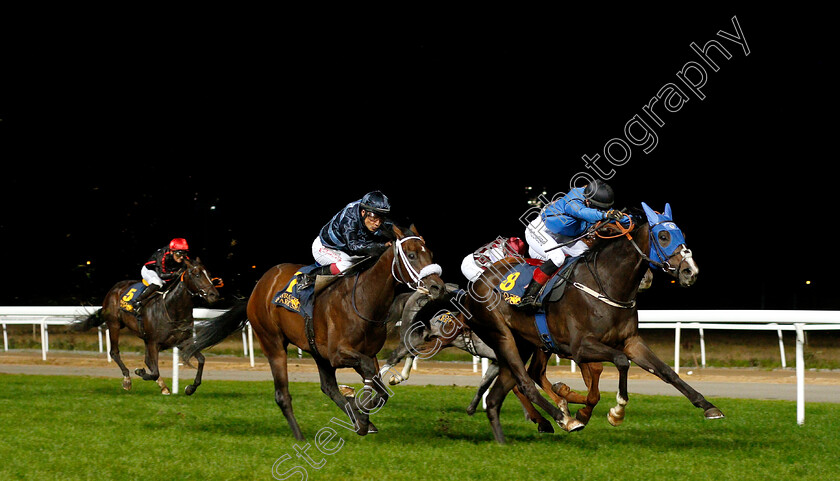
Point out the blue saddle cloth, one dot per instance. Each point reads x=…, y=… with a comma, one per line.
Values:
x=130, y=294
x=300, y=301
x=512, y=286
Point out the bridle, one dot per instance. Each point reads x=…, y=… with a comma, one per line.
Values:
x=416, y=277
x=416, y=282
x=201, y=292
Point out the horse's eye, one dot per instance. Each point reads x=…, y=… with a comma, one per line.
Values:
x=412, y=255
x=664, y=238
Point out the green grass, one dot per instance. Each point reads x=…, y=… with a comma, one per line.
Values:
x=88, y=428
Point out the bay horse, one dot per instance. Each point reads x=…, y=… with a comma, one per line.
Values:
x=348, y=320
x=167, y=320
x=597, y=321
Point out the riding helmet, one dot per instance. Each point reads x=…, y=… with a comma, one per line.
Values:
x=376, y=202
x=178, y=244
x=599, y=194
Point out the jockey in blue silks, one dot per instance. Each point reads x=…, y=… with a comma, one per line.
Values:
x=556, y=232
x=359, y=230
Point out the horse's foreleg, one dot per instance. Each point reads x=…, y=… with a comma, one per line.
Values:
x=504, y=383
x=486, y=381
x=591, y=374
x=510, y=352
x=358, y=421
x=641, y=354
x=197, y=382
x=531, y=413
x=591, y=350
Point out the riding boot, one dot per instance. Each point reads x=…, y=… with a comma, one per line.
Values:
x=532, y=291
x=137, y=305
x=306, y=280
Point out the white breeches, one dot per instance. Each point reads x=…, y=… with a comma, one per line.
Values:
x=326, y=256
x=151, y=276
x=540, y=241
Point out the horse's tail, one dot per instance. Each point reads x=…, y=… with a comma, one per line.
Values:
x=216, y=331
x=83, y=323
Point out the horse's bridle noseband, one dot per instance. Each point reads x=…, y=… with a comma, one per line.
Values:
x=416, y=277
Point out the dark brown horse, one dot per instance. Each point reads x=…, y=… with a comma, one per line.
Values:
x=167, y=319
x=348, y=322
x=595, y=321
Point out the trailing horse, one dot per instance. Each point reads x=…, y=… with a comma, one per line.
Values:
x=167, y=320
x=346, y=328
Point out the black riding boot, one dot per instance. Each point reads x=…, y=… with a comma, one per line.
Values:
x=137, y=305
x=308, y=279
x=541, y=276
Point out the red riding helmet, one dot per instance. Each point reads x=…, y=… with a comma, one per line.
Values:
x=178, y=244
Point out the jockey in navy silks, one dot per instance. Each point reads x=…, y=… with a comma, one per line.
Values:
x=556, y=232
x=352, y=234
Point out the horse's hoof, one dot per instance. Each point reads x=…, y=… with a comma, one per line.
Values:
x=574, y=425
x=372, y=429
x=126, y=384
x=140, y=372
x=713, y=413
x=395, y=380
x=346, y=391
x=165, y=392
x=544, y=427
x=189, y=390
x=614, y=420
x=470, y=410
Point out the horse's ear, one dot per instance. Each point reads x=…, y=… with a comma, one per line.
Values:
x=652, y=216
x=667, y=214
x=198, y=260
x=397, y=232
x=413, y=229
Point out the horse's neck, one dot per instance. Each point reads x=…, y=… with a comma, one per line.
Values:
x=626, y=267
x=177, y=299
x=377, y=282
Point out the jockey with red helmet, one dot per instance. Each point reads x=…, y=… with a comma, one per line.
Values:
x=163, y=266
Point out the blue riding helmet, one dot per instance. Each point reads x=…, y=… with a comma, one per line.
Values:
x=665, y=236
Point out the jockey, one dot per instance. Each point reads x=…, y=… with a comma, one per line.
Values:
x=476, y=262
x=562, y=223
x=162, y=266
x=351, y=235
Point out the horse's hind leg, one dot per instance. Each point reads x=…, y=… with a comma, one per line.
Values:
x=639, y=352
x=197, y=382
x=114, y=335
x=277, y=359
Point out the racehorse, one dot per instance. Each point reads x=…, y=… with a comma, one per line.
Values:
x=167, y=320
x=348, y=320
x=588, y=324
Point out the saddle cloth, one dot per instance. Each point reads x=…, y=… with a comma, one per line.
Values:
x=130, y=294
x=512, y=286
x=294, y=299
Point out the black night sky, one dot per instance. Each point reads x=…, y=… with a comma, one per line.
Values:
x=245, y=133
